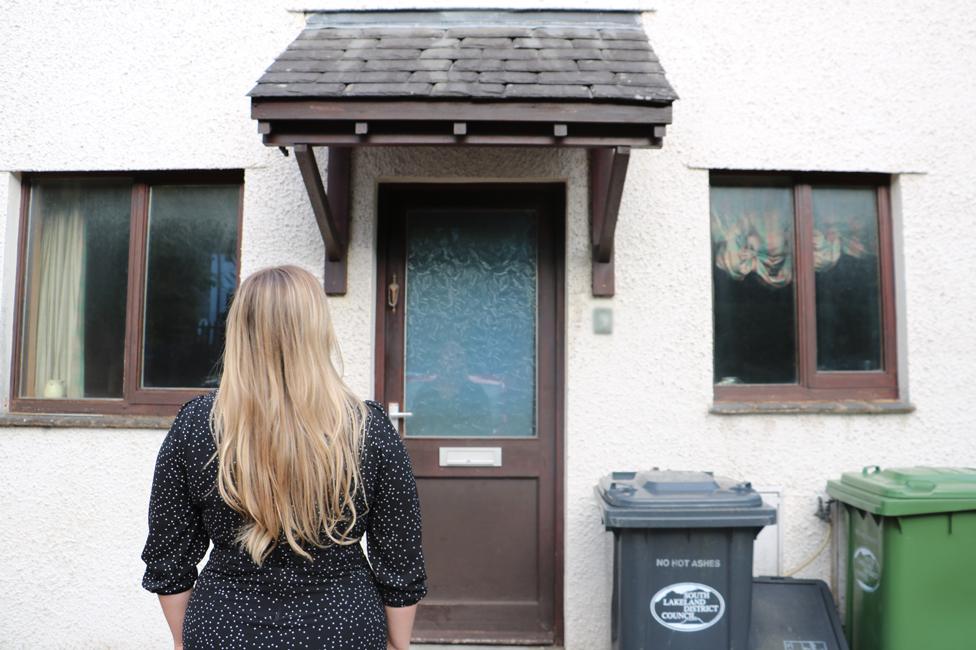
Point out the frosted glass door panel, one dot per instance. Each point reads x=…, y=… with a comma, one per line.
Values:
x=470, y=366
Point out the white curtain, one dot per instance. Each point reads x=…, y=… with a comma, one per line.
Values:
x=59, y=328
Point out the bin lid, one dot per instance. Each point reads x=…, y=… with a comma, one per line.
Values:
x=679, y=499
x=900, y=491
x=790, y=614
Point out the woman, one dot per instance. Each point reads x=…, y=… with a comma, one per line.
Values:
x=285, y=470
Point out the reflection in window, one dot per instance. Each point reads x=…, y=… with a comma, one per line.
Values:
x=752, y=284
x=845, y=240
x=76, y=290
x=191, y=274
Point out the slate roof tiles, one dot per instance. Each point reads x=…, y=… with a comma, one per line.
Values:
x=498, y=62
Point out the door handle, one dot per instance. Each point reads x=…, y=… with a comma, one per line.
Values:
x=393, y=410
x=393, y=293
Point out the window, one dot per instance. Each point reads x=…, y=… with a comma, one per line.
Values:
x=802, y=287
x=124, y=282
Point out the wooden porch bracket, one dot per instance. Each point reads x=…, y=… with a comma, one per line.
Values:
x=608, y=170
x=331, y=209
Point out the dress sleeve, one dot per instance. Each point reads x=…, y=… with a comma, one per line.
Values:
x=393, y=533
x=177, y=539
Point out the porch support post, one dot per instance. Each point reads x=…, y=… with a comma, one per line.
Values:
x=608, y=170
x=331, y=209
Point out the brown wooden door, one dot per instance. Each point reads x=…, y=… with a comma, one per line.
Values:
x=469, y=342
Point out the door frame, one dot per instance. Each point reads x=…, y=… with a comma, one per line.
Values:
x=555, y=194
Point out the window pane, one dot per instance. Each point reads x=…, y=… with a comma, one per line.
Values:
x=77, y=273
x=845, y=239
x=190, y=276
x=471, y=323
x=752, y=284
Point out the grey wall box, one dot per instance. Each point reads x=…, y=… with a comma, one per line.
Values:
x=602, y=320
x=682, y=558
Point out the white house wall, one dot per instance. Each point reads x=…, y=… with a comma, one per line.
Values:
x=835, y=86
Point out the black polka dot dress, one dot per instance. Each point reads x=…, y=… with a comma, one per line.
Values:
x=334, y=602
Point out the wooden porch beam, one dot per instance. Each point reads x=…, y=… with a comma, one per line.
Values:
x=608, y=171
x=458, y=111
x=285, y=139
x=331, y=209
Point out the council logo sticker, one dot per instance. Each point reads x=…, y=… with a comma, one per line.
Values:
x=867, y=569
x=687, y=606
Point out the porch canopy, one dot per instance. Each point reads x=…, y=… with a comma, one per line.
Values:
x=465, y=78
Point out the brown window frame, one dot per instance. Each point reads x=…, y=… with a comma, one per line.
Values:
x=135, y=399
x=812, y=384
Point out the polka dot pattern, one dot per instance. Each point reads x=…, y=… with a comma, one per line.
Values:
x=334, y=601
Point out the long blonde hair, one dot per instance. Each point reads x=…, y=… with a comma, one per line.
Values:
x=288, y=430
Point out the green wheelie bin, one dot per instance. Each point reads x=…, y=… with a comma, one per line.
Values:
x=911, y=557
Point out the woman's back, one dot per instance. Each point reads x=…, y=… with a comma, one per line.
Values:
x=285, y=470
x=289, y=601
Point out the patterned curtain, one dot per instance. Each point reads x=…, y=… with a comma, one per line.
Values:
x=838, y=232
x=759, y=243
x=752, y=232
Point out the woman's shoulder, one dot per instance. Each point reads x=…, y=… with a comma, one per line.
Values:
x=379, y=428
x=376, y=415
x=193, y=417
x=197, y=406
x=374, y=408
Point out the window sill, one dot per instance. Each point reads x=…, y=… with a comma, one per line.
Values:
x=836, y=407
x=77, y=421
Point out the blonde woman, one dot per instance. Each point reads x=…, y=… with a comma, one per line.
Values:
x=285, y=470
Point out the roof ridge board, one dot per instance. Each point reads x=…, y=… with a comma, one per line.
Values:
x=407, y=18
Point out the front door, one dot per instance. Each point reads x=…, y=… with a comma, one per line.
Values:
x=469, y=350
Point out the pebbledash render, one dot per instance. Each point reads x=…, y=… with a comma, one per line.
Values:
x=687, y=235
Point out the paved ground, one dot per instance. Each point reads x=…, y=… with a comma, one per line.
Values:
x=481, y=647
